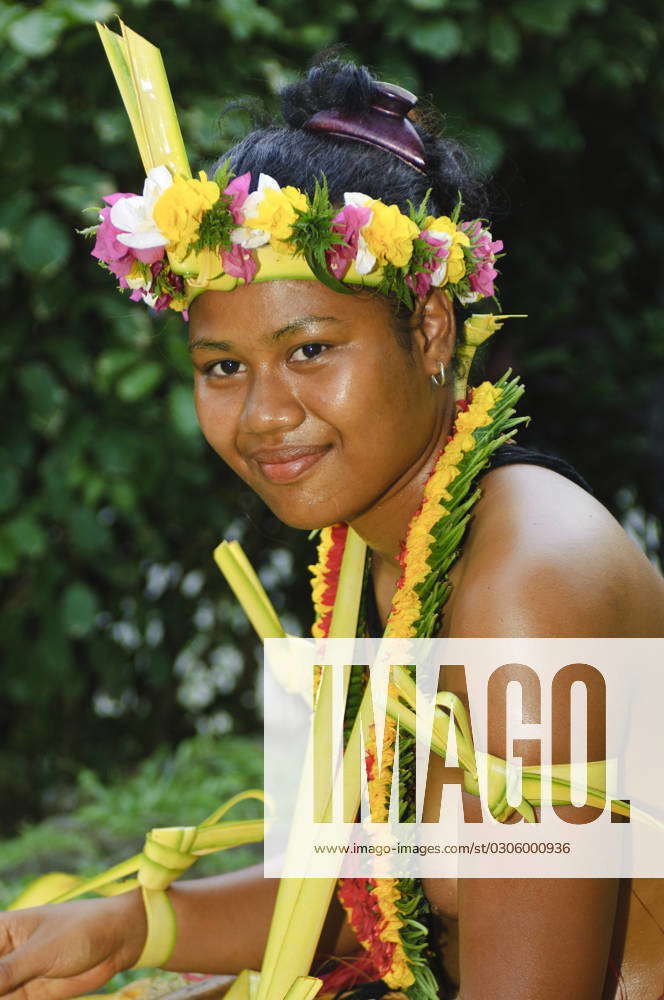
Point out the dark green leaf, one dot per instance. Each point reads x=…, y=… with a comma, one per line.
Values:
x=26, y=535
x=182, y=411
x=139, y=382
x=44, y=246
x=9, y=485
x=45, y=396
x=439, y=39
x=36, y=33
x=79, y=609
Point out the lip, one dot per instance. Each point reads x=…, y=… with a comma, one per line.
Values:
x=281, y=465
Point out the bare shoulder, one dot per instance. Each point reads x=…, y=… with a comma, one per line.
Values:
x=544, y=557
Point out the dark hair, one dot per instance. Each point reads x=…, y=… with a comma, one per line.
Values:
x=297, y=156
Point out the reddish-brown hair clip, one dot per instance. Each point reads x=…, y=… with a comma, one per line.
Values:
x=383, y=124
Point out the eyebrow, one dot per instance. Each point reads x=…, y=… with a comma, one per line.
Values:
x=296, y=324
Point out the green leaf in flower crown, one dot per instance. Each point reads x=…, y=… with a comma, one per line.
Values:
x=311, y=231
x=419, y=214
x=318, y=265
x=457, y=209
x=216, y=226
x=312, y=235
x=394, y=283
x=224, y=174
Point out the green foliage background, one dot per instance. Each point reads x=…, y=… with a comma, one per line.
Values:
x=118, y=633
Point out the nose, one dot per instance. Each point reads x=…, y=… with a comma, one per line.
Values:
x=270, y=405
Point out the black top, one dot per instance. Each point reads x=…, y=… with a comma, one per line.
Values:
x=509, y=454
x=506, y=454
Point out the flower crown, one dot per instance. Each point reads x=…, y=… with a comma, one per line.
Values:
x=185, y=235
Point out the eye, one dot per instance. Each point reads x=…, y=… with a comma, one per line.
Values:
x=310, y=351
x=225, y=368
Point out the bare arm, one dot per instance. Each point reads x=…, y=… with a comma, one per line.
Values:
x=60, y=951
x=532, y=939
x=223, y=923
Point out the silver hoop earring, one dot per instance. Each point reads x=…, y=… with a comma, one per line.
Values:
x=439, y=379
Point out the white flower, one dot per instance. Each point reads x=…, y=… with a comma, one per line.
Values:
x=249, y=238
x=252, y=238
x=365, y=261
x=469, y=298
x=356, y=198
x=134, y=215
x=438, y=276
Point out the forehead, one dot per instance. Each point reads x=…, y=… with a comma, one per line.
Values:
x=269, y=305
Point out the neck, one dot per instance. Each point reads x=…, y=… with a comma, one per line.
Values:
x=384, y=525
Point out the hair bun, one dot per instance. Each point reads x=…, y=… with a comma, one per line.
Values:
x=329, y=85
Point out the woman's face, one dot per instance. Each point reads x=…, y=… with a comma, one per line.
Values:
x=306, y=394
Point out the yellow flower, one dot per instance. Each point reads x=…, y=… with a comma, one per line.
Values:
x=387, y=894
x=318, y=583
x=389, y=234
x=178, y=211
x=453, y=451
x=379, y=789
x=442, y=224
x=466, y=440
x=466, y=421
x=456, y=264
x=276, y=214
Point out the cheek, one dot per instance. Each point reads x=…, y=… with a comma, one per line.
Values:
x=217, y=418
x=389, y=416
x=385, y=420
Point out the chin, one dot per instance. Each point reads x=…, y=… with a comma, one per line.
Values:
x=306, y=521
x=306, y=516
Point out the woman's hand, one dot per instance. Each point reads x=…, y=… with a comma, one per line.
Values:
x=62, y=950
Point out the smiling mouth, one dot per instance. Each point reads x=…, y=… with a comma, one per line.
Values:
x=285, y=471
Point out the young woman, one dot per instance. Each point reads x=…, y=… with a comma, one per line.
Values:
x=336, y=408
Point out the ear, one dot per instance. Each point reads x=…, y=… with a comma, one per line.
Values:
x=433, y=329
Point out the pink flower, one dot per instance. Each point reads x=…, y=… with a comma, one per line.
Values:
x=239, y=262
x=119, y=258
x=485, y=249
x=471, y=229
x=419, y=283
x=482, y=279
x=163, y=301
x=484, y=245
x=347, y=223
x=237, y=190
x=434, y=268
x=115, y=255
x=149, y=255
